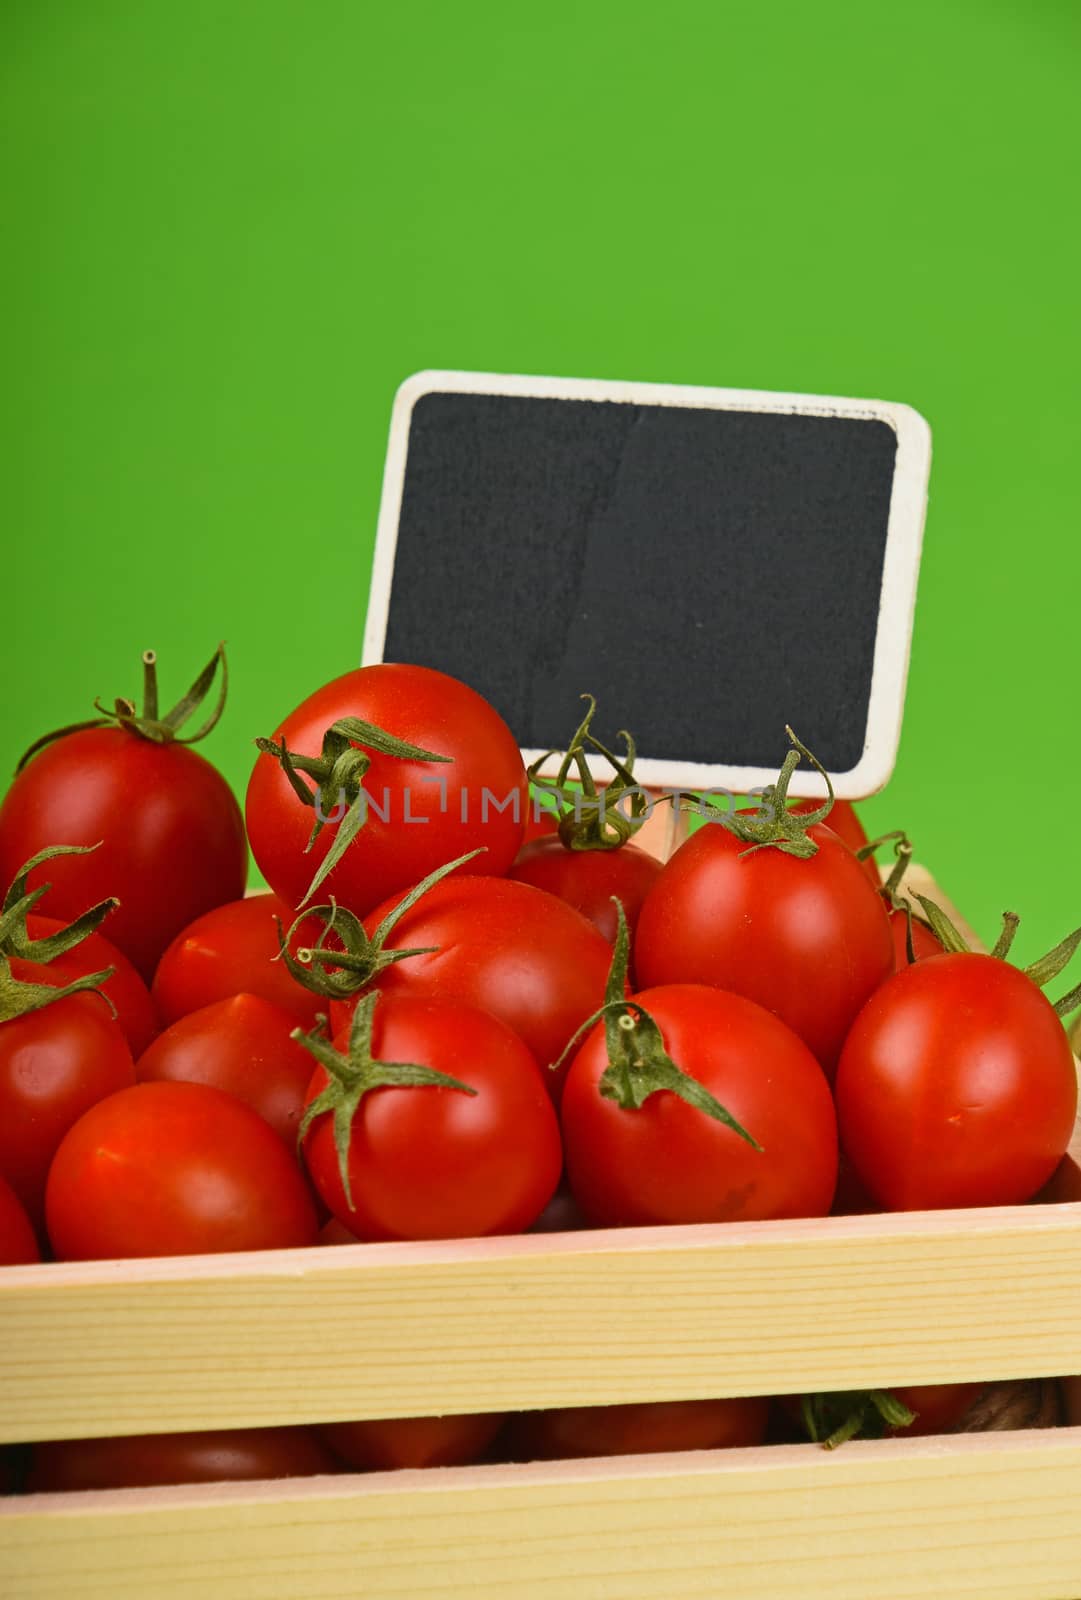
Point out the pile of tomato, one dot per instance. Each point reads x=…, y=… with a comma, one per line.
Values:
x=470, y=1004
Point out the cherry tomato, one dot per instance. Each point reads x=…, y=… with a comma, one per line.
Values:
x=388, y=1444
x=506, y=947
x=160, y=1458
x=434, y=1162
x=54, y=1065
x=135, y=1010
x=18, y=1244
x=167, y=1169
x=420, y=814
x=241, y=1045
x=234, y=950
x=842, y=819
x=808, y=939
x=631, y=1430
x=669, y=1162
x=172, y=838
x=956, y=1086
x=587, y=879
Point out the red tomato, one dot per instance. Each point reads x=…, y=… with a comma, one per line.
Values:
x=421, y=814
x=18, y=1244
x=243, y=1046
x=956, y=1086
x=388, y=1444
x=234, y=950
x=135, y=1010
x=587, y=879
x=172, y=838
x=847, y=826
x=433, y=1162
x=506, y=947
x=168, y=1169
x=667, y=1161
x=54, y=1065
x=153, y=1458
x=631, y=1430
x=924, y=942
x=808, y=939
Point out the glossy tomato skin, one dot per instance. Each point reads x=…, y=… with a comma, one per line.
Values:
x=171, y=834
x=54, y=1065
x=808, y=939
x=524, y=955
x=433, y=1162
x=244, y=1046
x=135, y=1010
x=18, y=1242
x=389, y=1444
x=843, y=821
x=628, y=1430
x=956, y=1087
x=422, y=813
x=227, y=1454
x=667, y=1162
x=234, y=949
x=167, y=1169
x=587, y=879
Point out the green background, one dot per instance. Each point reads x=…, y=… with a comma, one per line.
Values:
x=233, y=228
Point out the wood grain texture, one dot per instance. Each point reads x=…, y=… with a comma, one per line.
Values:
x=992, y=1517
x=101, y=1348
x=476, y=1325
x=490, y=1325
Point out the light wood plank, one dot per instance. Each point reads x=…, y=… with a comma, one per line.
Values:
x=490, y=1325
x=989, y=1517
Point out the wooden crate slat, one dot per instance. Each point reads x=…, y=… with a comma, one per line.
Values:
x=990, y=1517
x=491, y=1325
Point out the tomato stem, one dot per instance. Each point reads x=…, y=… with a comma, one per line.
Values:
x=361, y=956
x=832, y=1419
x=592, y=820
x=354, y=1075
x=339, y=771
x=148, y=724
x=772, y=823
x=17, y=997
x=638, y=1063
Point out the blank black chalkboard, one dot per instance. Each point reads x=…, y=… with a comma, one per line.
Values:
x=710, y=572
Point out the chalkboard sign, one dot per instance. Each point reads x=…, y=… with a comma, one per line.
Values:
x=710, y=563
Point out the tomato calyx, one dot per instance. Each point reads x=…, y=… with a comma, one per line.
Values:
x=891, y=887
x=339, y=770
x=362, y=956
x=149, y=724
x=589, y=820
x=354, y=1075
x=772, y=824
x=19, y=996
x=1042, y=972
x=638, y=1063
x=832, y=1419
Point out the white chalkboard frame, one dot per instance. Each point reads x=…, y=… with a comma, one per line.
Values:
x=904, y=538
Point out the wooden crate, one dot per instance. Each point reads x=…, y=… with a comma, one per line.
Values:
x=592, y=1317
